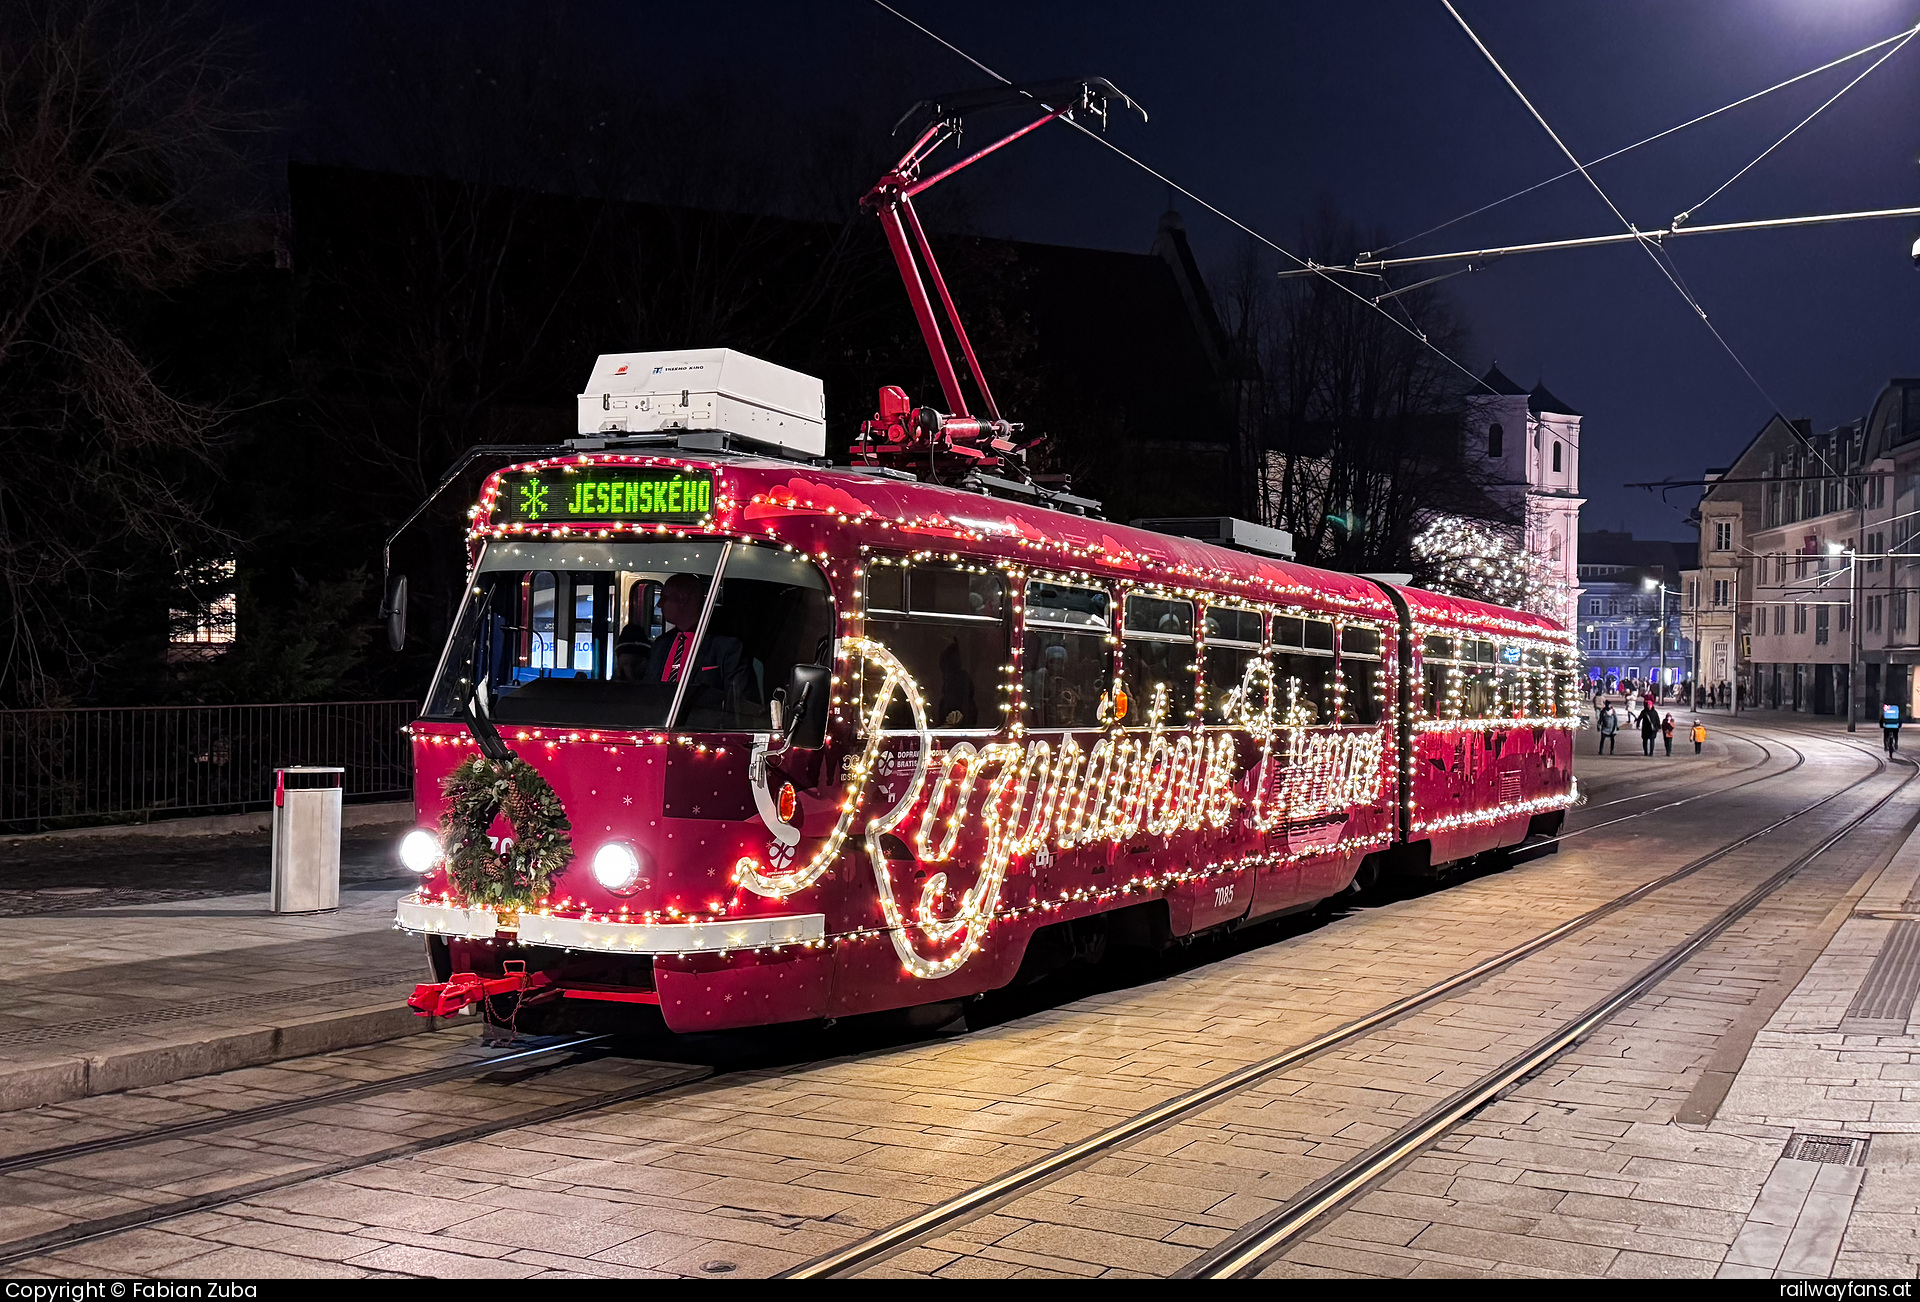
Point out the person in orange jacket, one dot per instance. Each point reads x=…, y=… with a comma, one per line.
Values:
x=1699, y=735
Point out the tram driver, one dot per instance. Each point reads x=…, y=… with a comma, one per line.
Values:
x=721, y=674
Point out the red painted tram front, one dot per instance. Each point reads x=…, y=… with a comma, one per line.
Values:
x=825, y=741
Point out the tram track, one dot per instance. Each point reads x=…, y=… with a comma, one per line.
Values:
x=85, y=1231
x=1387, y=1155
x=1799, y=758
x=1038, y=1173
x=1244, y=1254
x=286, y=1107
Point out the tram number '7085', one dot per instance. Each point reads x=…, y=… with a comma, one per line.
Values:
x=1222, y=896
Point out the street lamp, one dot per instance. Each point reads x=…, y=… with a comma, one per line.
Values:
x=1652, y=584
x=1853, y=626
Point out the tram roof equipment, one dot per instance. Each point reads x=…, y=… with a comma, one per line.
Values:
x=705, y=389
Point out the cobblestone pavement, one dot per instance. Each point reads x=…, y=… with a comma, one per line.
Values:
x=1658, y=1147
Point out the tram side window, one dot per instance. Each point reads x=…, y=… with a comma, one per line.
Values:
x=1360, y=675
x=1480, y=685
x=1065, y=666
x=948, y=625
x=1233, y=642
x=1303, y=668
x=1436, y=653
x=1157, y=649
x=1514, y=687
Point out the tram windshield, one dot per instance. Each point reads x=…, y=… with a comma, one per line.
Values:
x=607, y=635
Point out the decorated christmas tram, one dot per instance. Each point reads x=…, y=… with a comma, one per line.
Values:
x=730, y=732
x=758, y=740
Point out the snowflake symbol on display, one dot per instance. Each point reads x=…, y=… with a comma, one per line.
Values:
x=696, y=809
x=533, y=499
x=779, y=855
x=626, y=800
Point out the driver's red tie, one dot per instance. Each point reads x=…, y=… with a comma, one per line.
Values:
x=676, y=657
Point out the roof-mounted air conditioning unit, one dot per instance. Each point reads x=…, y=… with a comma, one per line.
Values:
x=705, y=389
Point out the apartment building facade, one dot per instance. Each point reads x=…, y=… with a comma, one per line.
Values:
x=1803, y=594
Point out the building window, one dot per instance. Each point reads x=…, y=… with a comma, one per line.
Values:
x=1822, y=621
x=1692, y=596
x=1593, y=639
x=1593, y=606
x=1799, y=618
x=1898, y=618
x=1556, y=454
x=1613, y=605
x=1846, y=617
x=1723, y=535
x=1613, y=639
x=207, y=626
x=1722, y=591
x=1876, y=544
x=1779, y=619
x=1496, y=441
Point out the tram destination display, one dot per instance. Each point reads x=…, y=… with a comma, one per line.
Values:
x=640, y=494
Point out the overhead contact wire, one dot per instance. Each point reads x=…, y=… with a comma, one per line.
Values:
x=1902, y=37
x=1863, y=74
x=1641, y=238
x=1413, y=331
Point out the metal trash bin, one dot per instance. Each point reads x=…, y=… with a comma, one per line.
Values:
x=306, y=839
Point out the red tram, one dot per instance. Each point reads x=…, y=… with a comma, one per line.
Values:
x=757, y=739
x=827, y=741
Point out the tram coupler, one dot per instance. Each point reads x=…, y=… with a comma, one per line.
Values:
x=446, y=998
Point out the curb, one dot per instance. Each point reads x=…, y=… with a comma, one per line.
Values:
x=59, y=1079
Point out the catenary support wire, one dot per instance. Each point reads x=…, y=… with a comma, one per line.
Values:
x=1413, y=331
x=1646, y=243
x=1862, y=75
x=1658, y=135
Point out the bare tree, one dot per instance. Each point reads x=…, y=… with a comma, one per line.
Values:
x=123, y=130
x=1360, y=420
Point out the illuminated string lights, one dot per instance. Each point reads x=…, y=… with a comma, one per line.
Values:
x=999, y=803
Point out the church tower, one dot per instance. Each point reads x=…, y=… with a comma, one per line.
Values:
x=1527, y=445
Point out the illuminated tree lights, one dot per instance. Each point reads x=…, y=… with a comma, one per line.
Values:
x=1470, y=558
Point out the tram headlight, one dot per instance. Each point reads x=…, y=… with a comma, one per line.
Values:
x=419, y=850
x=616, y=867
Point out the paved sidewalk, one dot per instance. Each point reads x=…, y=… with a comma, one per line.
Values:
x=160, y=962
x=1839, y=1060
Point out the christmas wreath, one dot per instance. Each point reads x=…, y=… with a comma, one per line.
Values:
x=518, y=875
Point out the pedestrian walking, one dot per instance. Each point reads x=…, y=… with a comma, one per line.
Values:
x=1666, y=731
x=1609, y=725
x=1890, y=728
x=1649, y=729
x=1699, y=735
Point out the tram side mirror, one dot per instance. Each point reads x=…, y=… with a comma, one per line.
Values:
x=394, y=611
x=804, y=711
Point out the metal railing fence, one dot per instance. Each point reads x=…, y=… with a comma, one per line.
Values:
x=61, y=768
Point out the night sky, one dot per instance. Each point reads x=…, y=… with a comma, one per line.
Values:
x=1385, y=110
